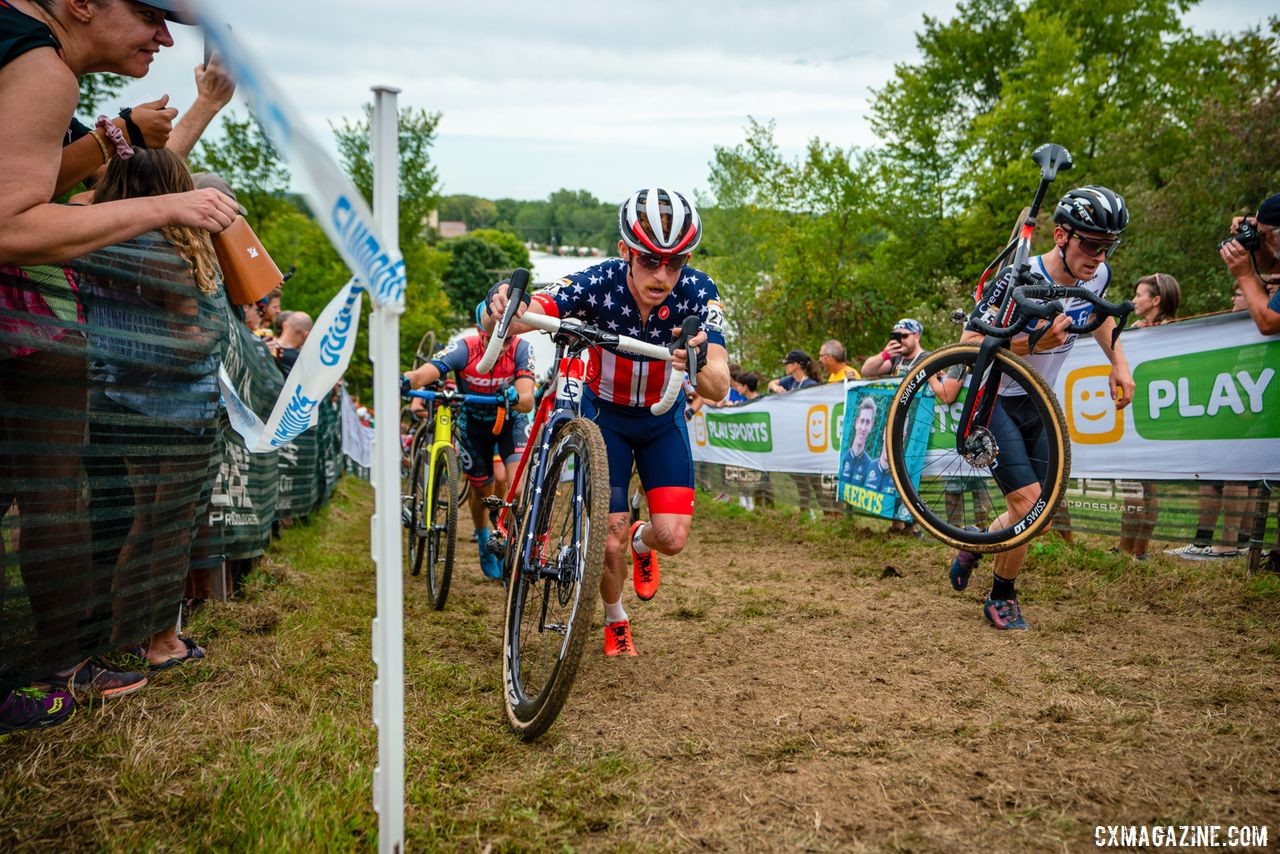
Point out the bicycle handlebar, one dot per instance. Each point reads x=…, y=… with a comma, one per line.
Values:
x=570, y=328
x=594, y=336
x=1023, y=296
x=449, y=395
x=516, y=294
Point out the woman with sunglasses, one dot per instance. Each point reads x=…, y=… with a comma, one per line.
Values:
x=1088, y=222
x=646, y=293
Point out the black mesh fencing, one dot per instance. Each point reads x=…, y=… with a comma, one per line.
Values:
x=118, y=471
x=244, y=498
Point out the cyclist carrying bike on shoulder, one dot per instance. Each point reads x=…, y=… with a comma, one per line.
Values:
x=646, y=294
x=512, y=377
x=1088, y=222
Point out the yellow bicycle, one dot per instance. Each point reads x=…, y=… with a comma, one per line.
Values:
x=430, y=497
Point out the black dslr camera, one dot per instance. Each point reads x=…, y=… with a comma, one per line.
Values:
x=1247, y=236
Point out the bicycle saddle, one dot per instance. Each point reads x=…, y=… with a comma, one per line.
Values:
x=1052, y=158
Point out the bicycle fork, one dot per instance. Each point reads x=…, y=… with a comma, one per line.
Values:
x=973, y=439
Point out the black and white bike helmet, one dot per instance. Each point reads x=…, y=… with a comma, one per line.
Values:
x=1092, y=208
x=659, y=221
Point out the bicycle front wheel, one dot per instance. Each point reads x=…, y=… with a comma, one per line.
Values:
x=957, y=498
x=551, y=595
x=442, y=526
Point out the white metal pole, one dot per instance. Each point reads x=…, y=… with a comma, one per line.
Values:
x=388, y=624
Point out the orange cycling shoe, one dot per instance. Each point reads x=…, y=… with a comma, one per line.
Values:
x=617, y=639
x=644, y=568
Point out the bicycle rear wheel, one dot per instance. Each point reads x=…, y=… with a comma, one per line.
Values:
x=551, y=596
x=442, y=527
x=949, y=477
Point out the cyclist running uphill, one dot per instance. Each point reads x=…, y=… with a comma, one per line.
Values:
x=1088, y=222
x=512, y=377
x=646, y=294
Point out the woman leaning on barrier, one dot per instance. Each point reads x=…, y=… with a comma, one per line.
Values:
x=45, y=47
x=156, y=331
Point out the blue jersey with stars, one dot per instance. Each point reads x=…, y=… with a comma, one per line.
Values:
x=599, y=295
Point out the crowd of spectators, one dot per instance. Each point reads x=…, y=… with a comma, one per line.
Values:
x=113, y=324
x=1251, y=256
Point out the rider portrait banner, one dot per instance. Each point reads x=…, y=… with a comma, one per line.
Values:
x=864, y=482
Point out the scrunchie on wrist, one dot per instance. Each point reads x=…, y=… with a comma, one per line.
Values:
x=123, y=150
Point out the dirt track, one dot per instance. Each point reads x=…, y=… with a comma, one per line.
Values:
x=789, y=696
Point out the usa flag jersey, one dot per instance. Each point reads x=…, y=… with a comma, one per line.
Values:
x=599, y=295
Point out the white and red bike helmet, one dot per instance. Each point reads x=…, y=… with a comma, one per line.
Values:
x=659, y=221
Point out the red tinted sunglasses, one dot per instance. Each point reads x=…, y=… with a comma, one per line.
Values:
x=653, y=262
x=1097, y=247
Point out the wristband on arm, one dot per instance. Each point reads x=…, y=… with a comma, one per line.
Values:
x=131, y=127
x=99, y=138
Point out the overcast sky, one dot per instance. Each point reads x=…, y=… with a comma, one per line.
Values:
x=585, y=95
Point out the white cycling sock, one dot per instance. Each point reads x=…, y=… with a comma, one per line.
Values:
x=614, y=613
x=637, y=543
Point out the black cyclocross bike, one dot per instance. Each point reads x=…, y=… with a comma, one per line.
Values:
x=980, y=374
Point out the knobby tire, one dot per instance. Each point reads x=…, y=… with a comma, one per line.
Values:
x=443, y=527
x=927, y=503
x=538, y=666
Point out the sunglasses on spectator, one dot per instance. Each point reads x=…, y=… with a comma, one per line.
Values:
x=1097, y=247
x=653, y=262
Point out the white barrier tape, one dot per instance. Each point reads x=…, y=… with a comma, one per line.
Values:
x=338, y=206
x=321, y=363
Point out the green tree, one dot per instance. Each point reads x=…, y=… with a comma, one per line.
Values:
x=473, y=210
x=96, y=89
x=419, y=183
x=246, y=160
x=512, y=247
x=1122, y=84
x=426, y=304
x=789, y=242
x=475, y=265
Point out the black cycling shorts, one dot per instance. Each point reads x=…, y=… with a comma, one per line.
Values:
x=1024, y=447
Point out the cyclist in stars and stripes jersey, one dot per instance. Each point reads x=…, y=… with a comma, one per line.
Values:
x=645, y=294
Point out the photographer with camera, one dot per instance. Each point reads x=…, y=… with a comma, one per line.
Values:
x=1252, y=254
x=901, y=352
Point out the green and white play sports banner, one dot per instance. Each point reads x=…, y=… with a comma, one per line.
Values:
x=1207, y=405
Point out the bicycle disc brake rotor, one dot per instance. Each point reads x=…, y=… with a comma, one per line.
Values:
x=566, y=573
x=980, y=448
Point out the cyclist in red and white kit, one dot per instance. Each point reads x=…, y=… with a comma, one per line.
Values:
x=511, y=377
x=646, y=294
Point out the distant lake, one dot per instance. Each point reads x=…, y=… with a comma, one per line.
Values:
x=548, y=268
